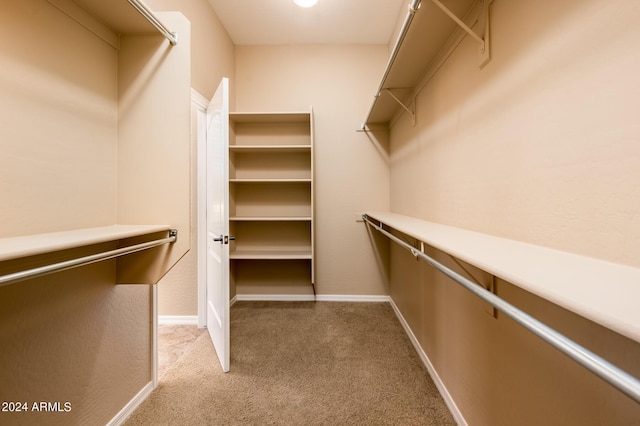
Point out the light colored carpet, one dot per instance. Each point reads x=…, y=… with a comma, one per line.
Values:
x=301, y=363
x=173, y=341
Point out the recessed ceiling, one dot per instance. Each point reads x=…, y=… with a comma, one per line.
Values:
x=251, y=22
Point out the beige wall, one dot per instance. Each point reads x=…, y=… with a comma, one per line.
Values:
x=541, y=146
x=212, y=50
x=74, y=336
x=58, y=123
x=69, y=337
x=212, y=57
x=154, y=133
x=351, y=174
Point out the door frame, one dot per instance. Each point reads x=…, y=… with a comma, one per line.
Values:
x=199, y=109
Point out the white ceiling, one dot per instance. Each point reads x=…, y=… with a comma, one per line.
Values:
x=251, y=22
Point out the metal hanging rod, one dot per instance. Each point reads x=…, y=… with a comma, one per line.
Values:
x=149, y=16
x=413, y=8
x=620, y=379
x=86, y=260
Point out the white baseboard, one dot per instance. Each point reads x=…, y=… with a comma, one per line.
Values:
x=455, y=412
x=178, y=319
x=351, y=298
x=132, y=405
x=309, y=298
x=275, y=297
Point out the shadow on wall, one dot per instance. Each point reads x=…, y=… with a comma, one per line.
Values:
x=70, y=337
x=497, y=372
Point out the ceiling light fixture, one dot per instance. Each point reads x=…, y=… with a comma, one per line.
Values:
x=305, y=3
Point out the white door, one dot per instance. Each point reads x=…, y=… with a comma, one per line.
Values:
x=218, y=222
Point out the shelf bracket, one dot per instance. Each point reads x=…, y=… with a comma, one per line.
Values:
x=491, y=286
x=484, y=40
x=411, y=112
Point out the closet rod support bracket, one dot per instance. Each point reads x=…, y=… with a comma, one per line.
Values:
x=483, y=21
x=411, y=111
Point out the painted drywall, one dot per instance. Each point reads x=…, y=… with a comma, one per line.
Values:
x=212, y=51
x=73, y=336
x=540, y=146
x=73, y=340
x=351, y=170
x=58, y=123
x=212, y=57
x=154, y=132
x=496, y=372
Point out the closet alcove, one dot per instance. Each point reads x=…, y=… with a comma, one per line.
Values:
x=95, y=134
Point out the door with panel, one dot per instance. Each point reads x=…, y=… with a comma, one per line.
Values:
x=217, y=213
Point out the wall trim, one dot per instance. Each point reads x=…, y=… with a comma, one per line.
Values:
x=351, y=298
x=275, y=297
x=131, y=406
x=198, y=99
x=178, y=319
x=455, y=411
x=311, y=298
x=200, y=104
x=154, y=337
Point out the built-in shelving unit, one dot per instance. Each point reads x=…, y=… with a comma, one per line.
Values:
x=430, y=31
x=271, y=201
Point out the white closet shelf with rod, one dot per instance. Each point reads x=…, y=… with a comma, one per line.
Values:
x=17, y=248
x=110, y=19
x=430, y=32
x=575, y=284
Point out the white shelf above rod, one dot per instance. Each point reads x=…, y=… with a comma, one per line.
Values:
x=86, y=260
x=607, y=371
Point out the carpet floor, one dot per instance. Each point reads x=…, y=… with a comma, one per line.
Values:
x=300, y=363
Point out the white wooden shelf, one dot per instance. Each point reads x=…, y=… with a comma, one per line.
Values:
x=604, y=292
x=257, y=180
x=430, y=35
x=270, y=219
x=268, y=148
x=271, y=254
x=270, y=117
x=32, y=245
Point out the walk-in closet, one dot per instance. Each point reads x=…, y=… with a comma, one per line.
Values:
x=340, y=212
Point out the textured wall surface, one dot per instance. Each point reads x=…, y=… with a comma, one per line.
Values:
x=58, y=123
x=351, y=172
x=71, y=337
x=212, y=57
x=541, y=146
